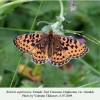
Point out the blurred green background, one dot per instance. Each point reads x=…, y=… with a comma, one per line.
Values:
x=17, y=18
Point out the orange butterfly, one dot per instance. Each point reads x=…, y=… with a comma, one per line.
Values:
x=59, y=49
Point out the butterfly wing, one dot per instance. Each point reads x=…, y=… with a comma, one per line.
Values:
x=66, y=48
x=73, y=48
x=27, y=42
x=39, y=54
x=58, y=57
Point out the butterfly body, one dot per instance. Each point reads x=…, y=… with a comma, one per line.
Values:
x=59, y=49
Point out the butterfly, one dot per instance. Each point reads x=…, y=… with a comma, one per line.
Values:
x=59, y=49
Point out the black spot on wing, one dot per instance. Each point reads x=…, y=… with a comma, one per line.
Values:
x=32, y=40
x=38, y=52
x=24, y=40
x=65, y=48
x=67, y=40
x=75, y=41
x=28, y=41
x=72, y=46
x=63, y=38
x=62, y=43
x=33, y=44
x=37, y=35
x=76, y=46
x=70, y=40
x=67, y=44
x=26, y=35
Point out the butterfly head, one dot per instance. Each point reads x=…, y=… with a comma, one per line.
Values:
x=50, y=34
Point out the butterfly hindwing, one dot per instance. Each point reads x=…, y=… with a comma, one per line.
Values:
x=39, y=53
x=59, y=57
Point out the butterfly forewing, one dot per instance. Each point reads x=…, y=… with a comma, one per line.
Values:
x=73, y=48
x=27, y=42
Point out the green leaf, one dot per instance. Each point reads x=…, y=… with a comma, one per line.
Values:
x=27, y=83
x=54, y=77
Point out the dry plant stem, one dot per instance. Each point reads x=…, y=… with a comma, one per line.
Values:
x=27, y=72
